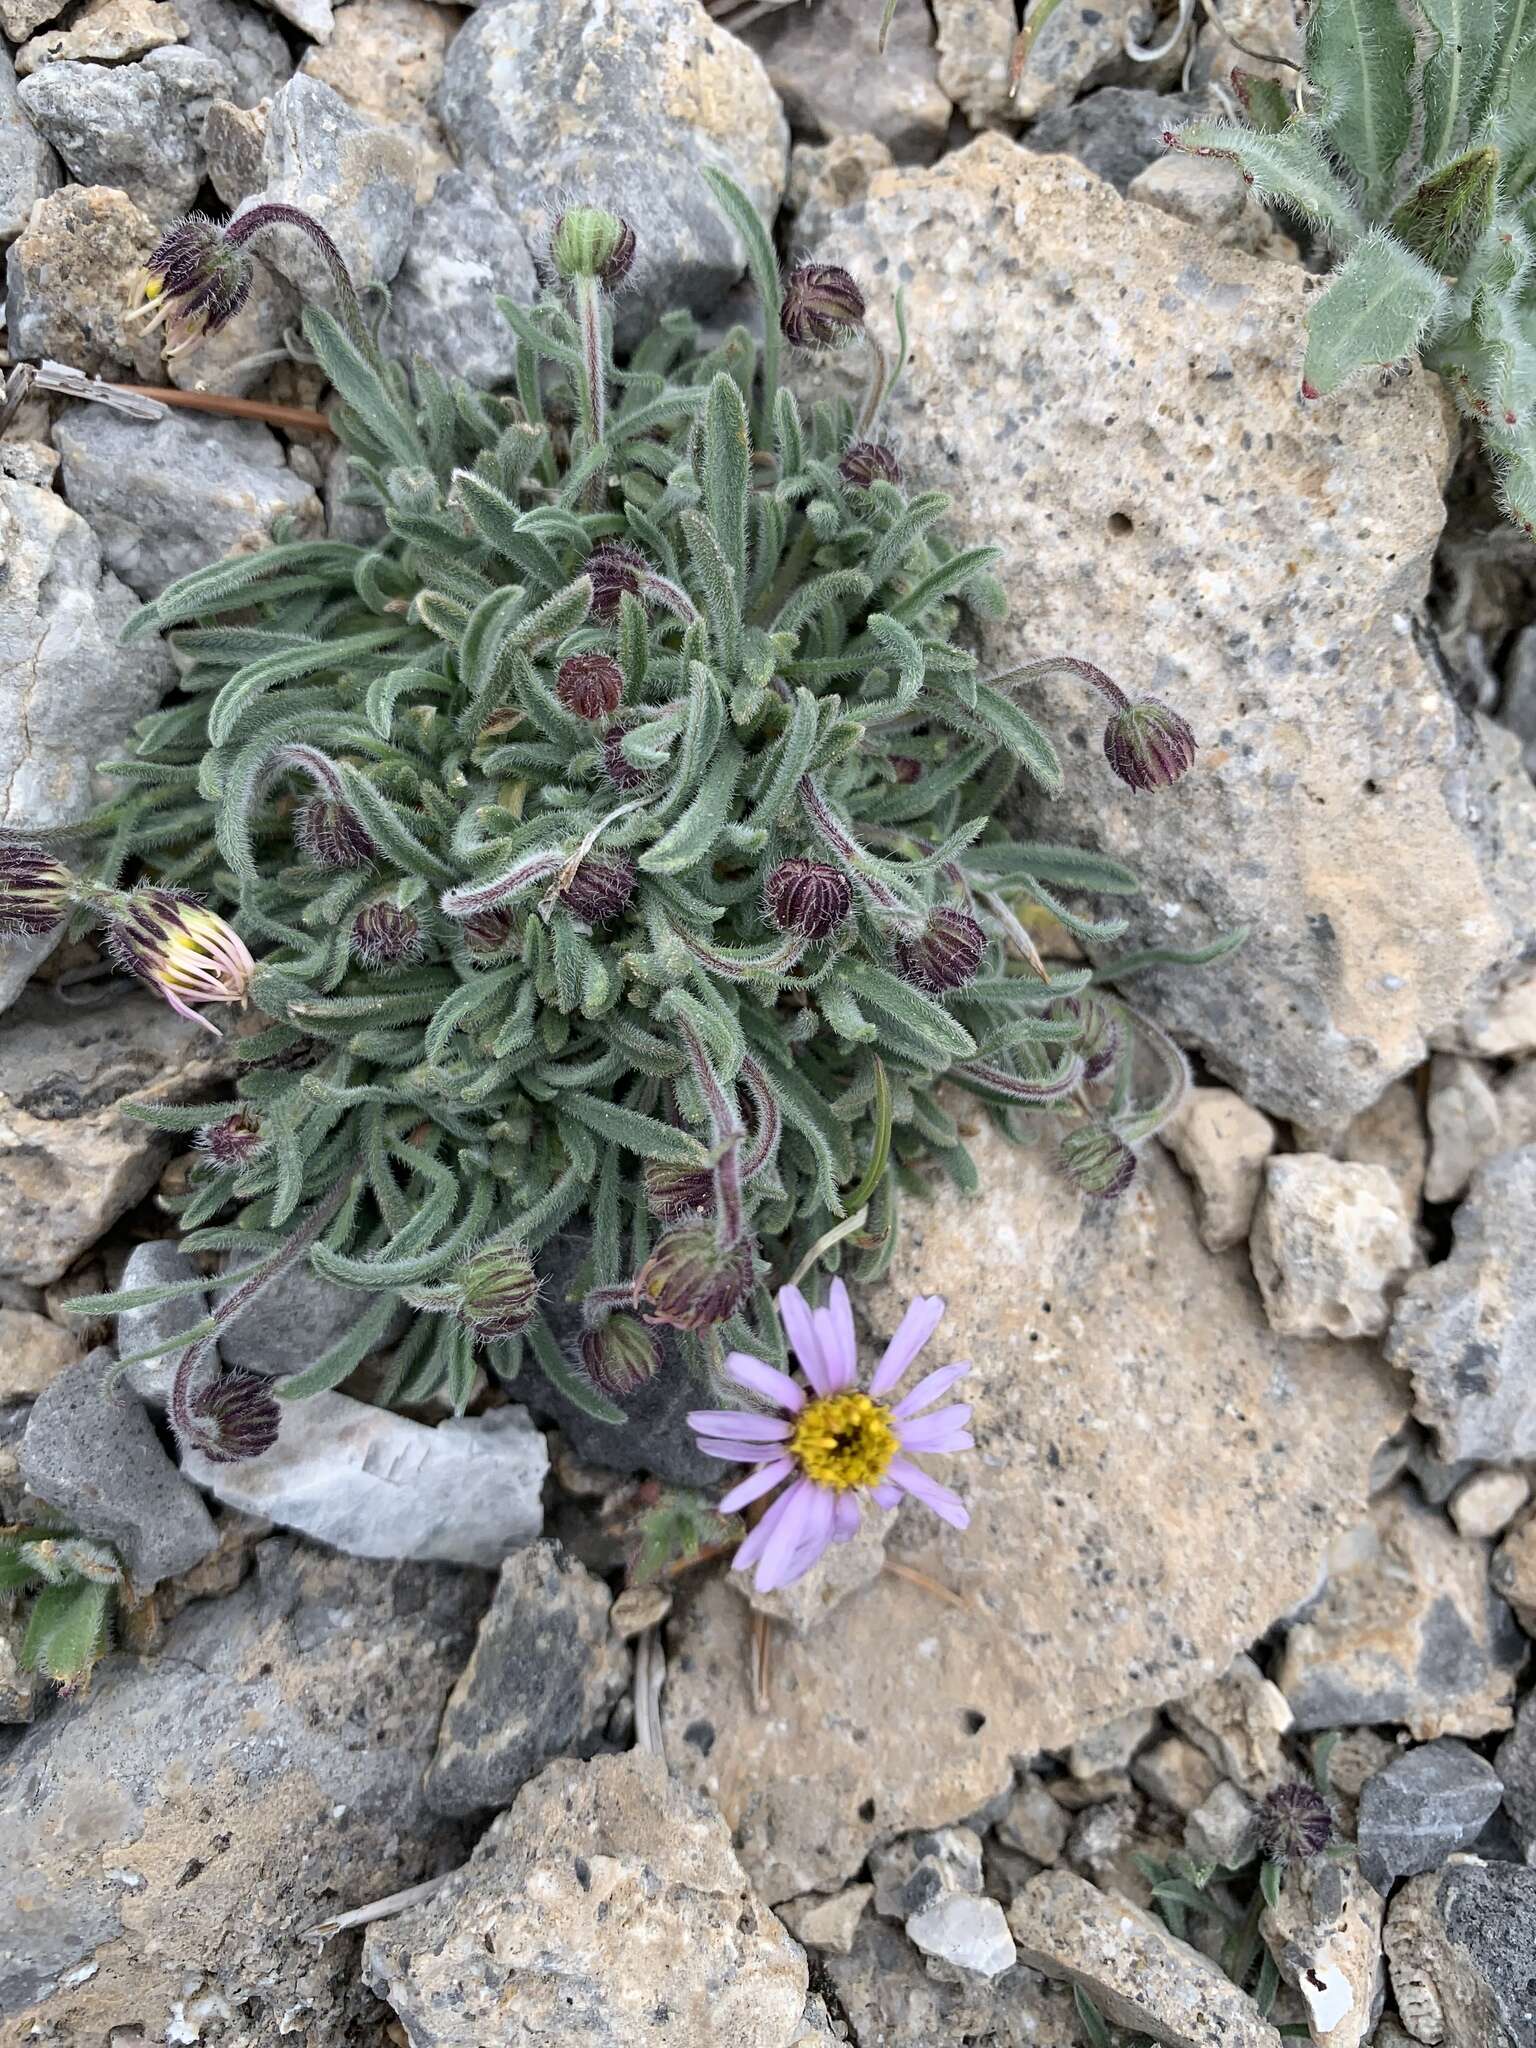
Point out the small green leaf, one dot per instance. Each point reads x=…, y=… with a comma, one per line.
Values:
x=1375, y=313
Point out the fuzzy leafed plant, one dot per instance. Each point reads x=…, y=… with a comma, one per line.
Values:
x=71, y=1586
x=611, y=846
x=1413, y=156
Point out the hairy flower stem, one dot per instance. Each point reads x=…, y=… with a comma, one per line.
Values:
x=765, y=1111
x=600, y=1302
x=878, y=372
x=188, y=1431
x=1063, y=664
x=1168, y=1104
x=726, y=1134
x=841, y=843
x=594, y=378
x=271, y=213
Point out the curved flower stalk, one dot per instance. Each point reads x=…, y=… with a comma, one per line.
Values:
x=625, y=833
x=833, y=1446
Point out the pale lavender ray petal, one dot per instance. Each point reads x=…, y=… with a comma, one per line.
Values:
x=762, y=1481
x=922, y=1318
x=945, y=1503
x=746, y=1371
x=819, y=1538
x=735, y=1452
x=885, y=1495
x=846, y=1518
x=930, y=1432
x=752, y=1545
x=929, y=1388
x=814, y=1535
x=784, y=1545
x=741, y=1423
x=800, y=1328
x=838, y=1338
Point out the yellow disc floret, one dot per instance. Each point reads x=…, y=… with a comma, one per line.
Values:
x=844, y=1440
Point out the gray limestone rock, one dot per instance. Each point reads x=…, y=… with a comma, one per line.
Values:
x=464, y=252
x=1427, y=1803
x=134, y=126
x=244, y=39
x=28, y=167
x=154, y=1264
x=1459, y=1943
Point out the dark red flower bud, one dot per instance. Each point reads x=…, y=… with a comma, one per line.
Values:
x=945, y=954
x=1097, y=1160
x=617, y=766
x=1295, y=1823
x=1148, y=745
x=498, y=1289
x=823, y=307
x=196, y=279
x=600, y=888
x=233, y=1140
x=591, y=685
x=620, y=1356
x=673, y=1193
x=692, y=1281
x=35, y=892
x=330, y=834
x=615, y=568
x=869, y=462
x=807, y=896
x=385, y=937
x=488, y=930
x=905, y=767
x=237, y=1417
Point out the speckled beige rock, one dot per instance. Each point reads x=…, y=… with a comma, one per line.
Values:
x=1175, y=1773
x=233, y=140
x=1504, y=1026
x=70, y=1161
x=1222, y=1145
x=976, y=40
x=1464, y=1125
x=1209, y=195
x=824, y=176
x=1250, y=560
x=70, y=278
x=1330, y=1246
x=1155, y=1480
x=1081, y=46
x=1269, y=30
x=605, y=1894
x=1325, y=1937
x=1407, y=1631
x=1486, y=1504
x=107, y=32
x=1513, y=1571
x=827, y=1923
x=811, y=1601
x=826, y=66
x=1391, y=1133
x=33, y=1351
x=18, y=18
x=1133, y=1969
x=1238, y=1720
x=385, y=58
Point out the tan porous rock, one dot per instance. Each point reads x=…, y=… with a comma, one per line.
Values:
x=1330, y=1246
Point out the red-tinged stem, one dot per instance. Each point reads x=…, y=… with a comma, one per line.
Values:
x=475, y=897
x=1015, y=1086
x=272, y=213
x=667, y=593
x=841, y=842
x=765, y=1109
x=1063, y=664
x=726, y=1132
x=601, y=1302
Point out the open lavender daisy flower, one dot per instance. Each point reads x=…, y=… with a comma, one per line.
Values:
x=835, y=1444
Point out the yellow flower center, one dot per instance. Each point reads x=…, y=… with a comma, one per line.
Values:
x=844, y=1440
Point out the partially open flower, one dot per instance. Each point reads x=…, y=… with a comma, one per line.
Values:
x=837, y=1445
x=233, y=1140
x=36, y=892
x=692, y=1281
x=591, y=685
x=869, y=462
x=385, y=937
x=1148, y=744
x=807, y=896
x=1097, y=1161
x=588, y=241
x=945, y=954
x=196, y=280
x=620, y=1356
x=674, y=1193
x=1295, y=1823
x=238, y=1417
x=615, y=568
x=498, y=1289
x=823, y=307
x=600, y=888
x=180, y=947
x=331, y=835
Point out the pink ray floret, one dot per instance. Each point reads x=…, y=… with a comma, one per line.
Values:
x=836, y=1445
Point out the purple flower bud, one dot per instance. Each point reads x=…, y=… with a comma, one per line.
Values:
x=1295, y=1823
x=807, y=896
x=233, y=1140
x=619, y=1357
x=617, y=766
x=488, y=930
x=35, y=892
x=498, y=1289
x=331, y=835
x=600, y=888
x=588, y=241
x=1099, y=1035
x=905, y=767
x=238, y=1417
x=692, y=1281
x=869, y=462
x=1097, y=1160
x=196, y=280
x=674, y=1193
x=823, y=307
x=1148, y=745
x=591, y=685
x=385, y=937
x=945, y=954
x=615, y=569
